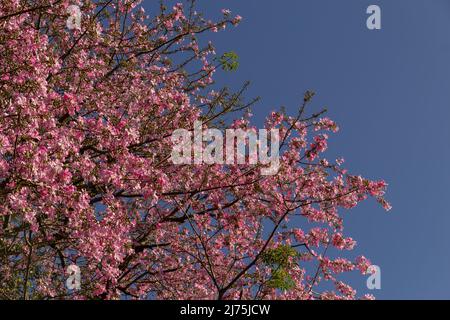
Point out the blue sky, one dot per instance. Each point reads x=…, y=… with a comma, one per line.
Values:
x=389, y=90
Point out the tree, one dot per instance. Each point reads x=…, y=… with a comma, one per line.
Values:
x=85, y=177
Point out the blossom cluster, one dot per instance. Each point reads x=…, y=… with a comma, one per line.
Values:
x=85, y=123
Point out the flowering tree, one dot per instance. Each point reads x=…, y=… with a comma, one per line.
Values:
x=86, y=179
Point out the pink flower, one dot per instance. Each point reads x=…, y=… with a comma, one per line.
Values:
x=362, y=263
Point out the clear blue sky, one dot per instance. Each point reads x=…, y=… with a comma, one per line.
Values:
x=389, y=91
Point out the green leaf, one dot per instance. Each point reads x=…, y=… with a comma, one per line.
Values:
x=229, y=61
x=281, y=279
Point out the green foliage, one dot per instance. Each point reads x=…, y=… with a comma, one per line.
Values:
x=281, y=279
x=280, y=256
x=229, y=61
x=280, y=259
